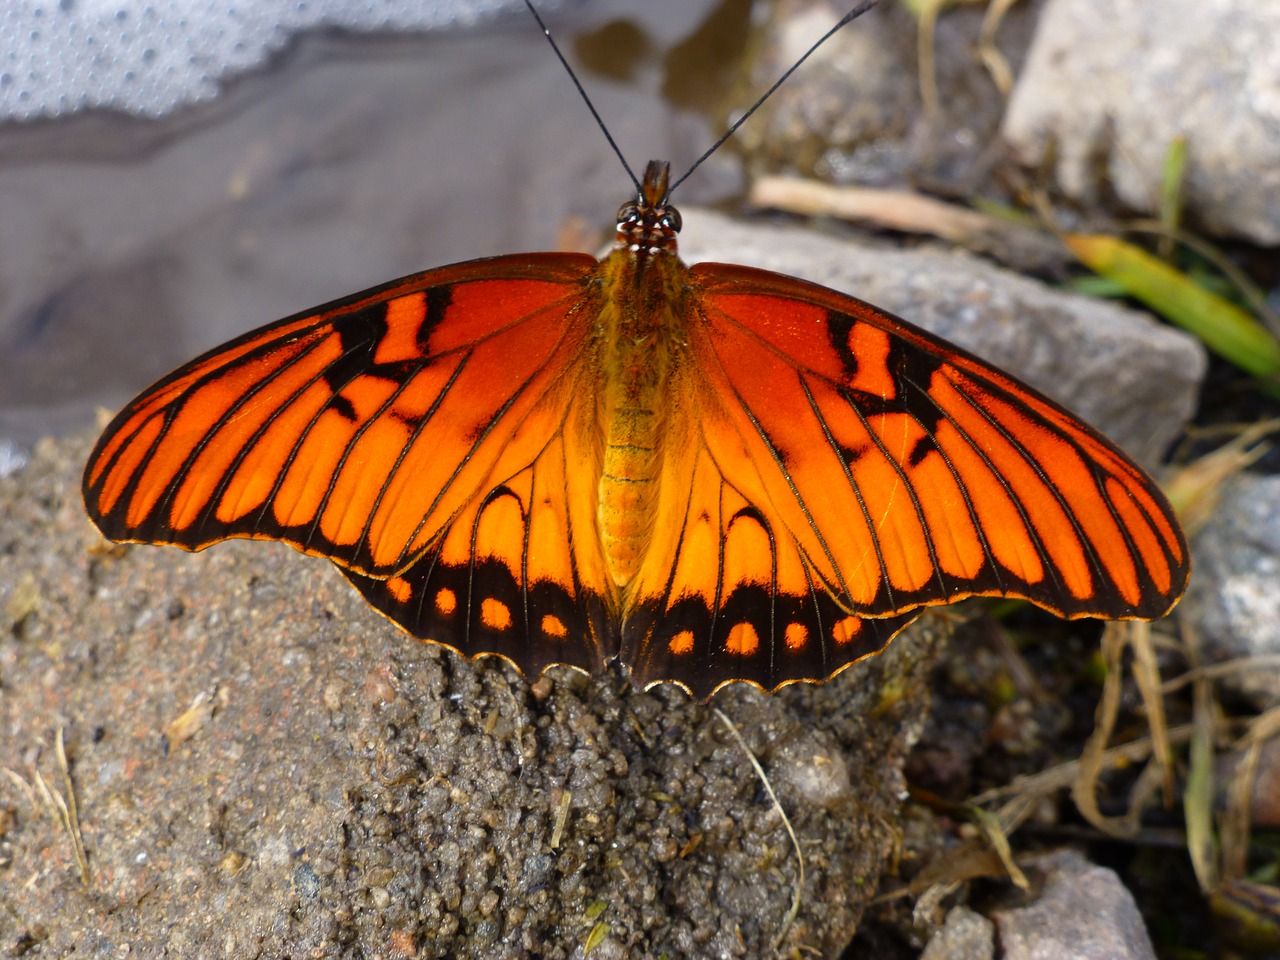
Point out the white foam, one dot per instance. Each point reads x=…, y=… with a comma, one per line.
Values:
x=62, y=56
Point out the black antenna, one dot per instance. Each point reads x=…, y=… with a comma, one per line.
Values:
x=585, y=99
x=851, y=15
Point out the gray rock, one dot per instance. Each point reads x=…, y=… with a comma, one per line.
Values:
x=1084, y=912
x=1234, y=597
x=1132, y=378
x=354, y=793
x=965, y=935
x=847, y=109
x=1108, y=86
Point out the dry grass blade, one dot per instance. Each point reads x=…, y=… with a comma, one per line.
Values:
x=989, y=53
x=927, y=14
x=1224, y=668
x=1238, y=815
x=1265, y=726
x=1196, y=489
x=562, y=818
x=891, y=209
x=62, y=809
x=1197, y=796
x=1065, y=774
x=18, y=781
x=71, y=813
x=999, y=842
x=786, y=822
x=1004, y=239
x=1084, y=787
x=1115, y=638
x=1147, y=674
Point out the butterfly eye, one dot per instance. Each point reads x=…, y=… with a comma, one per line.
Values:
x=629, y=212
x=671, y=220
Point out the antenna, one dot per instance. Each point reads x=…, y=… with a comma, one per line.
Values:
x=585, y=99
x=851, y=15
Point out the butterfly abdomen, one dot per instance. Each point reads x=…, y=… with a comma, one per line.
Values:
x=640, y=345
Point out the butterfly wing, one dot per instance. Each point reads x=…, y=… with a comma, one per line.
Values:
x=849, y=469
x=424, y=424
x=516, y=573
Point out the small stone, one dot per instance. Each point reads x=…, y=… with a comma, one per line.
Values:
x=1084, y=912
x=965, y=935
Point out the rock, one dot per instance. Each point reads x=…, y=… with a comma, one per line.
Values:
x=1233, y=599
x=1084, y=912
x=354, y=792
x=848, y=107
x=1132, y=378
x=965, y=935
x=1108, y=86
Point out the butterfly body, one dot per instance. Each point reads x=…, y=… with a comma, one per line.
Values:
x=712, y=473
x=643, y=348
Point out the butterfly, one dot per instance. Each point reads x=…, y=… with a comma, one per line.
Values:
x=711, y=473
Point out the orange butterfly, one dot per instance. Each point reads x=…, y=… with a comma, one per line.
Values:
x=713, y=473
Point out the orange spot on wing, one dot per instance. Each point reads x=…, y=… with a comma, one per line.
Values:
x=846, y=630
x=870, y=345
x=446, y=601
x=742, y=640
x=796, y=637
x=495, y=614
x=404, y=325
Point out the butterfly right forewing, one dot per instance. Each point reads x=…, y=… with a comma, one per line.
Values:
x=958, y=480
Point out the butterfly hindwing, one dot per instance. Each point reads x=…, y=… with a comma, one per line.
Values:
x=728, y=595
x=518, y=572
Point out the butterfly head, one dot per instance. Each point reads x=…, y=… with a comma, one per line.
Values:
x=649, y=224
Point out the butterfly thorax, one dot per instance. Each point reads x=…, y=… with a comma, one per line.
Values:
x=641, y=345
